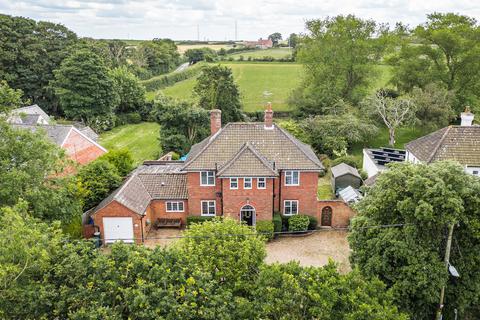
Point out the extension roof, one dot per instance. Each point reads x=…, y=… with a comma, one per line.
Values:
x=459, y=143
x=343, y=169
x=237, y=145
x=28, y=115
x=154, y=180
x=56, y=133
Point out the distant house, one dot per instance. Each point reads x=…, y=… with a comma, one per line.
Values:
x=459, y=143
x=244, y=171
x=259, y=44
x=79, y=141
x=375, y=160
x=344, y=176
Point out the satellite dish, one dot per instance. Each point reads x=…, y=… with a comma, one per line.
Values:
x=453, y=271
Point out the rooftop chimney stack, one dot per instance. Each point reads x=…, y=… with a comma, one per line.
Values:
x=215, y=121
x=269, y=117
x=467, y=117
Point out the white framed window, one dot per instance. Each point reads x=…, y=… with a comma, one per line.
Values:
x=174, y=206
x=475, y=172
x=233, y=183
x=207, y=178
x=292, y=178
x=208, y=208
x=247, y=183
x=290, y=207
x=261, y=183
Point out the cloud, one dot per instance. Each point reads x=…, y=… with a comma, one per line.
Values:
x=178, y=19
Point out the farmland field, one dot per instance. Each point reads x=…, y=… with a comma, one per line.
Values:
x=184, y=47
x=274, y=52
x=253, y=79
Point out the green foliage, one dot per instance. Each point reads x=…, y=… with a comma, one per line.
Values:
x=30, y=169
x=169, y=79
x=447, y=53
x=265, y=228
x=338, y=54
x=275, y=37
x=29, y=52
x=433, y=106
x=9, y=98
x=331, y=133
x=295, y=129
x=84, y=87
x=200, y=54
x=159, y=55
x=298, y=223
x=277, y=222
x=350, y=160
x=409, y=259
x=197, y=219
x=131, y=92
x=121, y=159
x=128, y=118
x=216, y=89
x=98, y=178
x=313, y=223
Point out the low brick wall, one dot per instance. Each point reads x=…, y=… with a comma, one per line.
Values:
x=341, y=212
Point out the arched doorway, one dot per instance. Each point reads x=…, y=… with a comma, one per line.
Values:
x=247, y=215
x=327, y=216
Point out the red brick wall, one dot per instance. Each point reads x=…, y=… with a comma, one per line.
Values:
x=81, y=149
x=341, y=212
x=260, y=199
x=305, y=193
x=159, y=210
x=197, y=193
x=115, y=209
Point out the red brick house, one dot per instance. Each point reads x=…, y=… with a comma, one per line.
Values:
x=245, y=171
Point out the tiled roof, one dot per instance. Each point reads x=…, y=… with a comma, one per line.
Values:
x=248, y=162
x=342, y=169
x=274, y=145
x=89, y=133
x=29, y=112
x=459, y=143
x=154, y=180
x=56, y=133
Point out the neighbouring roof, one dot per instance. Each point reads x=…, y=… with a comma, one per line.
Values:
x=272, y=145
x=459, y=143
x=343, y=169
x=154, y=180
x=28, y=115
x=371, y=181
x=383, y=156
x=89, y=133
x=56, y=133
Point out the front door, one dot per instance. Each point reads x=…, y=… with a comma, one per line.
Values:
x=247, y=215
x=327, y=216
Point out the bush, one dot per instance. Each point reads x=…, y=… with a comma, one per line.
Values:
x=198, y=219
x=277, y=222
x=126, y=118
x=265, y=228
x=313, y=222
x=298, y=223
x=121, y=159
x=102, y=123
x=350, y=160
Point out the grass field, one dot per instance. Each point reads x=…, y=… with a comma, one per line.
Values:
x=141, y=139
x=274, y=52
x=253, y=79
x=184, y=47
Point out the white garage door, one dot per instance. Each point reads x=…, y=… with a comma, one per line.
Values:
x=117, y=229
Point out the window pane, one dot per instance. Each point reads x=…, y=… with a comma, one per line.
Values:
x=205, y=207
x=169, y=206
x=294, y=207
x=295, y=177
x=180, y=206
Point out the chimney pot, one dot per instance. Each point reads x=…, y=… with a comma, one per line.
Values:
x=215, y=121
x=268, y=119
x=467, y=117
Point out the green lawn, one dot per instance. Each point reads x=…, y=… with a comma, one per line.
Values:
x=324, y=191
x=141, y=139
x=253, y=79
x=385, y=73
x=274, y=52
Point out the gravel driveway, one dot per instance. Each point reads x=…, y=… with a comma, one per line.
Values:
x=312, y=250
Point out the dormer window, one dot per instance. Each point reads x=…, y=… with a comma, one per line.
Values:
x=207, y=178
x=292, y=178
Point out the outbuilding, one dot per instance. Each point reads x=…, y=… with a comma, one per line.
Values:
x=343, y=176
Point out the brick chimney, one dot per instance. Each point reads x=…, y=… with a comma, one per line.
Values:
x=467, y=117
x=269, y=117
x=215, y=121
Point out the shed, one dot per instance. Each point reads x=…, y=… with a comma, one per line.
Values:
x=343, y=176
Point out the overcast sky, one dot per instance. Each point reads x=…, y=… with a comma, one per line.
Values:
x=178, y=19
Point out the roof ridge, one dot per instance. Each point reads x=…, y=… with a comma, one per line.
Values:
x=432, y=155
x=245, y=146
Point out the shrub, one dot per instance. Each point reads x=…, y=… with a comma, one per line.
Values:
x=285, y=222
x=265, y=228
x=350, y=160
x=126, y=118
x=298, y=223
x=277, y=222
x=313, y=222
x=121, y=159
x=198, y=219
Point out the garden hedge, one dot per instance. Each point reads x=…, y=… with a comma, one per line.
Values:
x=265, y=228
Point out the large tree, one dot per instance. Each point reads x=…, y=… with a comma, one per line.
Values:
x=160, y=55
x=446, y=52
x=84, y=87
x=29, y=52
x=275, y=37
x=9, y=98
x=130, y=91
x=216, y=89
x=338, y=54
x=400, y=233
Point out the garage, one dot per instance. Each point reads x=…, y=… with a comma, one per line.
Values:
x=118, y=229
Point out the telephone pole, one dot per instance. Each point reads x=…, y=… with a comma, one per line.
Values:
x=447, y=263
